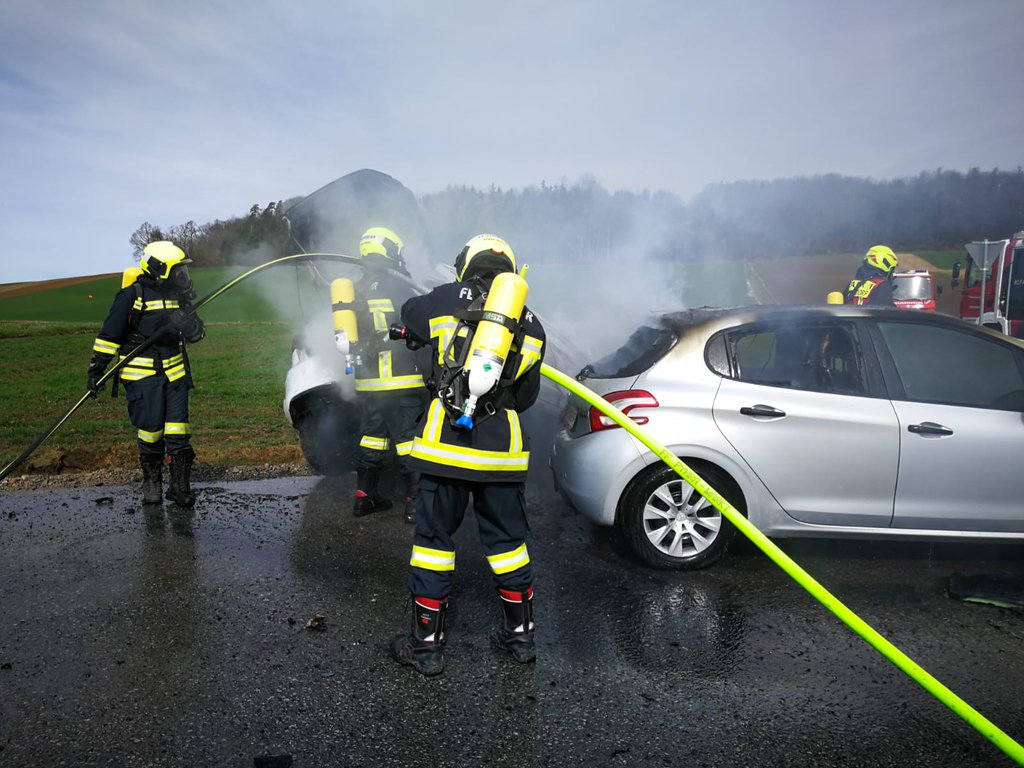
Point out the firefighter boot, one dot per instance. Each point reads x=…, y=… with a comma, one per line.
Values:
x=515, y=634
x=411, y=487
x=368, y=500
x=180, y=491
x=423, y=648
x=152, y=479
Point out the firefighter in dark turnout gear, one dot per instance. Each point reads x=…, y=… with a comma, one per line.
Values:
x=872, y=284
x=487, y=463
x=156, y=383
x=388, y=381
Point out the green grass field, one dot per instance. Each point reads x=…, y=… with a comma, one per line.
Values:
x=235, y=408
x=239, y=368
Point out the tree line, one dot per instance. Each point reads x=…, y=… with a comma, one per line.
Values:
x=584, y=222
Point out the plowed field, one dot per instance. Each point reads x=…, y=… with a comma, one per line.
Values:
x=809, y=280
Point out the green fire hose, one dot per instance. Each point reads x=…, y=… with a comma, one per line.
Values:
x=978, y=721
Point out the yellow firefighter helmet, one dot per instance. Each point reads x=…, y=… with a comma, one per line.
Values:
x=382, y=242
x=881, y=257
x=160, y=257
x=484, y=255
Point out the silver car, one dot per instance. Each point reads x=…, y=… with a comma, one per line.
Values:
x=833, y=421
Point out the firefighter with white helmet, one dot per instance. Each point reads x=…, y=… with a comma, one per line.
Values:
x=388, y=382
x=872, y=284
x=156, y=383
x=485, y=459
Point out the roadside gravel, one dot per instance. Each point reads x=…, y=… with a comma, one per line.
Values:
x=202, y=473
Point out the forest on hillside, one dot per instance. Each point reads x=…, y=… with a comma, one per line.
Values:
x=584, y=222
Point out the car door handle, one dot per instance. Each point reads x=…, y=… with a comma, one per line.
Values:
x=762, y=410
x=929, y=428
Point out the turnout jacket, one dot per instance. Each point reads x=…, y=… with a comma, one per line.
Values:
x=495, y=450
x=383, y=365
x=139, y=311
x=869, y=286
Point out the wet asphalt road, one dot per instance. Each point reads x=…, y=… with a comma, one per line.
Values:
x=169, y=638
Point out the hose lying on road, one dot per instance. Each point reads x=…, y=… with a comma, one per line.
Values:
x=294, y=259
x=981, y=724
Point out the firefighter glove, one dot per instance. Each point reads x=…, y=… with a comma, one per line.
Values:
x=97, y=366
x=188, y=324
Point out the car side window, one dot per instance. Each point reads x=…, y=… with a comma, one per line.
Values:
x=945, y=365
x=819, y=357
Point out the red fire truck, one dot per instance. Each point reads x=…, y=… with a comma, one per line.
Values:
x=914, y=290
x=995, y=270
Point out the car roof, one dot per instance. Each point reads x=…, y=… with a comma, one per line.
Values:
x=717, y=318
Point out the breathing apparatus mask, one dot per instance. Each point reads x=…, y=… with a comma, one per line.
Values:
x=179, y=281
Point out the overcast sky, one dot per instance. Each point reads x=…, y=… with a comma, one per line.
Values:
x=113, y=113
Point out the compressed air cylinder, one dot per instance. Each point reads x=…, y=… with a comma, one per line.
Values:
x=129, y=276
x=835, y=297
x=346, y=331
x=491, y=340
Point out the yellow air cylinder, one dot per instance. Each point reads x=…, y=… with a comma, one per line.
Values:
x=835, y=297
x=346, y=330
x=492, y=339
x=129, y=276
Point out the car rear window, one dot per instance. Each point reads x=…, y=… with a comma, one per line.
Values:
x=642, y=349
x=916, y=287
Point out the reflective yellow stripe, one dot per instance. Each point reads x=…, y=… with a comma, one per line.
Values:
x=509, y=561
x=403, y=449
x=384, y=364
x=158, y=304
x=515, y=441
x=128, y=373
x=177, y=428
x=531, y=354
x=150, y=437
x=395, y=382
x=141, y=362
x=374, y=443
x=173, y=374
x=378, y=310
x=435, y=418
x=470, y=458
x=442, y=328
x=432, y=559
x=106, y=347
x=174, y=360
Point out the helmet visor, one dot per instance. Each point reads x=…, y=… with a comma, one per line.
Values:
x=180, y=281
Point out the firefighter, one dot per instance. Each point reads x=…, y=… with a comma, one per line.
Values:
x=152, y=302
x=872, y=284
x=388, y=381
x=487, y=462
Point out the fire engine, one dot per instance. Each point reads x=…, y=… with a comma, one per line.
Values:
x=995, y=270
x=914, y=290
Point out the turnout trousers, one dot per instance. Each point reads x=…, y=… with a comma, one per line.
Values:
x=501, y=517
x=158, y=409
x=387, y=420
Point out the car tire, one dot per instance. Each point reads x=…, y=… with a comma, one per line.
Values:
x=668, y=525
x=329, y=439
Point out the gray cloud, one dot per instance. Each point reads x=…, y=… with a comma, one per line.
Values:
x=112, y=113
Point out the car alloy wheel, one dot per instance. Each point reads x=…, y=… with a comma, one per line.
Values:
x=669, y=525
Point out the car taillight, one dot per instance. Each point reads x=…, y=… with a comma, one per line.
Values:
x=626, y=401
